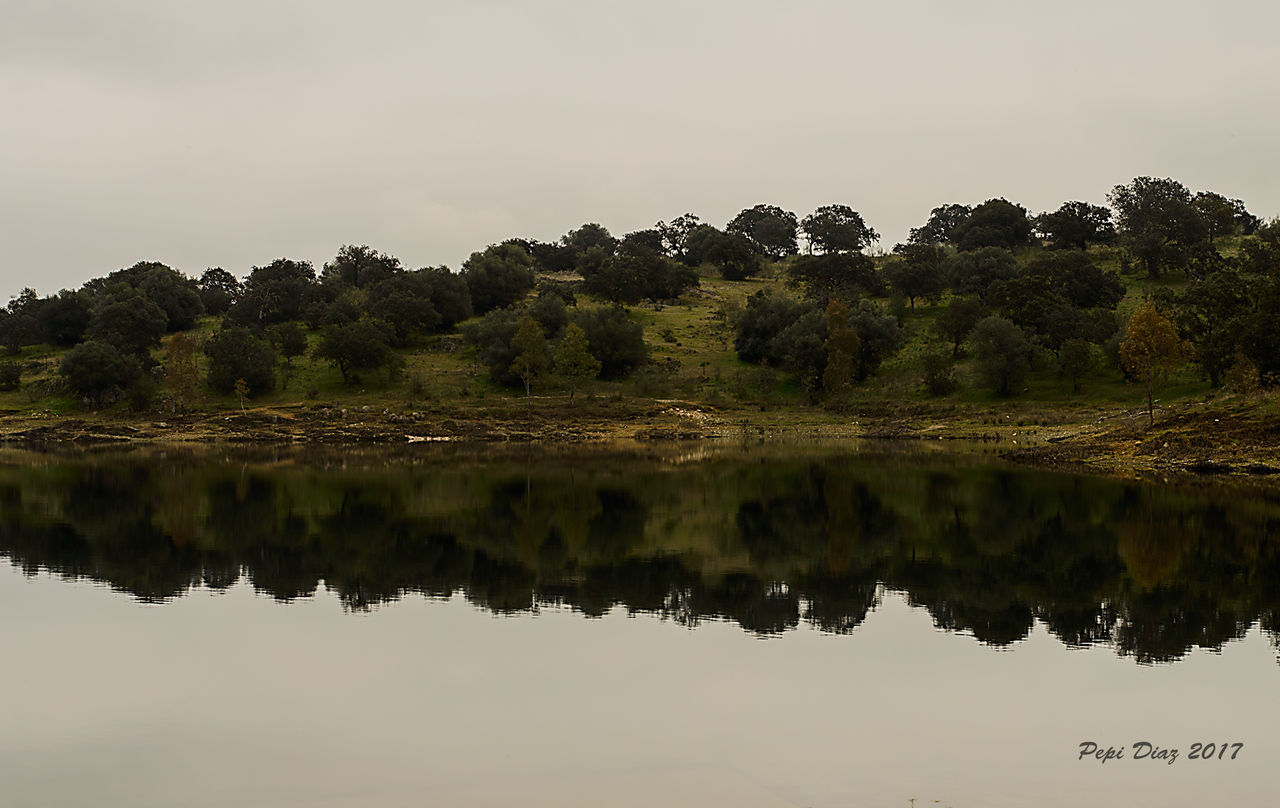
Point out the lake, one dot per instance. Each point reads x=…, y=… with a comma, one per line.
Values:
x=767, y=625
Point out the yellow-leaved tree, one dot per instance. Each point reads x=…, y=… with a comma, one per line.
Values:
x=1151, y=348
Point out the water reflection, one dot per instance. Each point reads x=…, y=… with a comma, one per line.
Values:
x=767, y=541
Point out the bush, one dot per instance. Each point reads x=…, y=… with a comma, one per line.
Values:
x=236, y=353
x=352, y=347
x=10, y=376
x=614, y=339
x=1002, y=352
x=94, y=369
x=939, y=379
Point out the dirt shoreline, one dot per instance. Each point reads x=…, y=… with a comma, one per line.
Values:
x=1226, y=440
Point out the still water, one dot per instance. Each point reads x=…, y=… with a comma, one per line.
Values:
x=772, y=626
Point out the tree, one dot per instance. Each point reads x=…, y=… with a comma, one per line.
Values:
x=732, y=254
x=573, y=361
x=93, y=369
x=769, y=228
x=450, y=296
x=64, y=318
x=590, y=235
x=219, y=289
x=404, y=301
x=838, y=275
x=957, y=321
x=352, y=347
x=981, y=272
x=241, y=389
x=497, y=277
x=1076, y=224
x=530, y=345
x=1001, y=350
x=994, y=223
x=943, y=220
x=1157, y=221
x=291, y=341
x=360, y=267
x=765, y=316
x=1077, y=359
x=129, y=322
x=676, y=233
x=1212, y=315
x=649, y=240
x=1150, y=349
x=634, y=275
x=918, y=272
x=879, y=337
x=180, y=370
x=176, y=294
x=236, y=353
x=613, y=338
x=275, y=293
x=1218, y=213
x=837, y=228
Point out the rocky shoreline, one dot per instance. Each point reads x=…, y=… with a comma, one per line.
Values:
x=1237, y=440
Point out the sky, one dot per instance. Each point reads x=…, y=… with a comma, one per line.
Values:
x=233, y=133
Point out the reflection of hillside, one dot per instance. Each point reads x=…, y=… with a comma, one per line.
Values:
x=770, y=544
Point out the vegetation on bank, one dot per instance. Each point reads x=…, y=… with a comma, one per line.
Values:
x=1166, y=294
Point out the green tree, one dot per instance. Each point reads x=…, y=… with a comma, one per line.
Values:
x=1157, y=221
x=675, y=234
x=1076, y=224
x=1151, y=348
x=64, y=318
x=589, y=236
x=918, y=272
x=1218, y=213
x=573, y=360
x=769, y=228
x=404, y=301
x=957, y=321
x=499, y=276
x=837, y=228
x=176, y=294
x=353, y=347
x=93, y=369
x=530, y=345
x=732, y=254
x=219, y=289
x=275, y=293
x=614, y=338
x=942, y=223
x=879, y=337
x=234, y=353
x=1001, y=351
x=360, y=267
x=291, y=341
x=129, y=322
x=994, y=223
x=844, y=276
x=1077, y=360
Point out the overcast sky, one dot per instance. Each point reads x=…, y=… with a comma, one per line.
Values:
x=228, y=134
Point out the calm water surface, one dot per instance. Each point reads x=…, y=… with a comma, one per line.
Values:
x=771, y=626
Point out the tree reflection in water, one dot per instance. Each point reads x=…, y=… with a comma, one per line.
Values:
x=766, y=541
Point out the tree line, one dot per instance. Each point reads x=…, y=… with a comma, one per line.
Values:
x=1020, y=290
